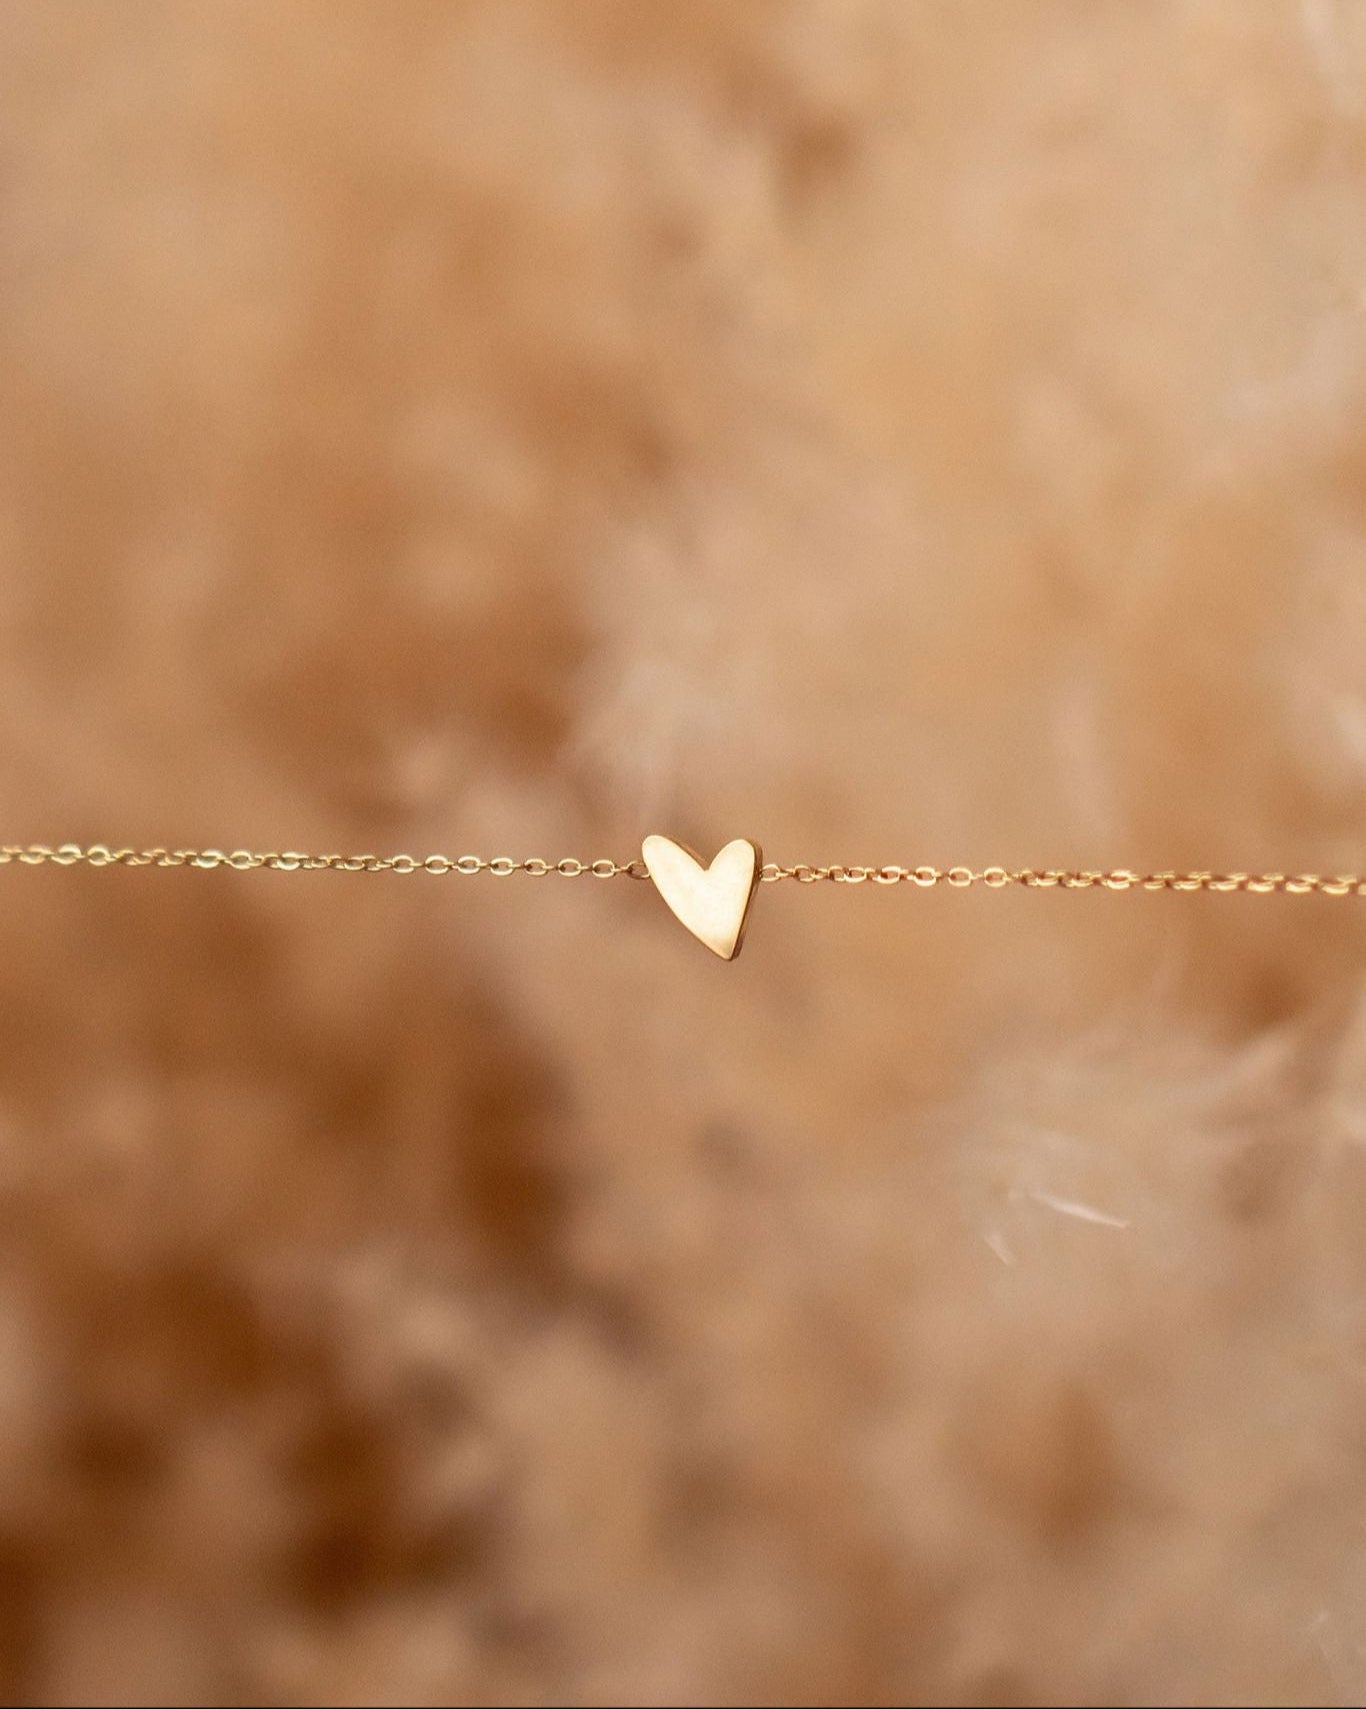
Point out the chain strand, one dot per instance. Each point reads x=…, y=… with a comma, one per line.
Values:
x=293, y=860
x=503, y=866
x=1051, y=878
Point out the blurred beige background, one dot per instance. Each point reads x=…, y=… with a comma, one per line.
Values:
x=895, y=430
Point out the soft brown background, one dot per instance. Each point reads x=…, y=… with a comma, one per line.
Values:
x=895, y=431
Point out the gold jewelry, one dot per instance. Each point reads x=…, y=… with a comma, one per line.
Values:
x=713, y=902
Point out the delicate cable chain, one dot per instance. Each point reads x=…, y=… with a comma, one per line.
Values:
x=503, y=866
x=1051, y=878
x=293, y=860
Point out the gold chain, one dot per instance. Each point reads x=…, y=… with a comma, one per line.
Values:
x=1051, y=878
x=503, y=866
x=292, y=860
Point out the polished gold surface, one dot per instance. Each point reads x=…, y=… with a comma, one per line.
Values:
x=711, y=901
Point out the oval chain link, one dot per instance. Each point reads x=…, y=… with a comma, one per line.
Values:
x=503, y=866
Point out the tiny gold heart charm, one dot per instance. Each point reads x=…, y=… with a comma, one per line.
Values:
x=711, y=901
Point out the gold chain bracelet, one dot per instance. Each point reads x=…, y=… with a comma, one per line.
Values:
x=711, y=900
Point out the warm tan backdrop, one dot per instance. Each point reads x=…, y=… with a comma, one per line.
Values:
x=897, y=430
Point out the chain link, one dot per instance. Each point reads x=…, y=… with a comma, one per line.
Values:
x=503, y=866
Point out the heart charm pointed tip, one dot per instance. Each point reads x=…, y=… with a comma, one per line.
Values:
x=711, y=901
